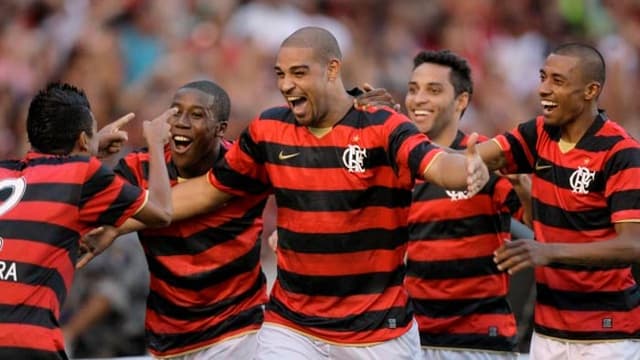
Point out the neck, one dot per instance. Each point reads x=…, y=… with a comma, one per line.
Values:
x=446, y=135
x=339, y=105
x=573, y=131
x=201, y=167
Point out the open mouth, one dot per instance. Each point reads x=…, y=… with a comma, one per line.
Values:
x=181, y=143
x=297, y=104
x=548, y=106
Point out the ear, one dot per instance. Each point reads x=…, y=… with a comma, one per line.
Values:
x=592, y=90
x=221, y=128
x=462, y=101
x=82, y=143
x=333, y=69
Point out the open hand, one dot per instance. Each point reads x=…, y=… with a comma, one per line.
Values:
x=158, y=129
x=375, y=97
x=517, y=255
x=95, y=242
x=477, y=171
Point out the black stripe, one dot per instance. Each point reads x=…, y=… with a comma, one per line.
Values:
x=459, y=228
x=203, y=280
x=36, y=275
x=560, y=176
x=42, y=232
x=585, y=335
x=164, y=245
x=461, y=307
x=343, y=200
x=599, y=143
x=371, y=320
x=128, y=194
x=625, y=300
x=397, y=137
x=415, y=158
x=282, y=113
x=622, y=160
x=250, y=147
x=340, y=285
x=624, y=200
x=164, y=342
x=325, y=157
x=426, y=191
x=512, y=202
x=165, y=307
x=59, y=160
x=469, y=341
x=587, y=267
x=123, y=169
x=452, y=269
x=233, y=179
x=53, y=192
x=100, y=180
x=28, y=315
x=594, y=219
x=17, y=353
x=369, y=239
x=361, y=120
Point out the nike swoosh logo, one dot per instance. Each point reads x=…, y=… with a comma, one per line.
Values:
x=283, y=156
x=542, y=167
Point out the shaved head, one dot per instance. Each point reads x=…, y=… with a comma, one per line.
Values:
x=322, y=41
x=591, y=61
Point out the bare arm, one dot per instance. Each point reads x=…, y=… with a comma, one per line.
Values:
x=522, y=186
x=157, y=211
x=459, y=172
x=623, y=249
x=492, y=154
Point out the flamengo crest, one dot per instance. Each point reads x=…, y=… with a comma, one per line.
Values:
x=581, y=179
x=353, y=158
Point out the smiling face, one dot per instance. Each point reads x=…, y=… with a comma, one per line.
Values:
x=303, y=82
x=562, y=90
x=195, y=133
x=431, y=101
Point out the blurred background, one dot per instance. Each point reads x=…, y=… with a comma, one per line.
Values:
x=131, y=55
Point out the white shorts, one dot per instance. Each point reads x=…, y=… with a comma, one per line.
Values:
x=238, y=348
x=281, y=343
x=431, y=353
x=546, y=348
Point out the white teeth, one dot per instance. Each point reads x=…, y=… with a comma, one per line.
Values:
x=548, y=103
x=420, y=112
x=294, y=98
x=181, y=138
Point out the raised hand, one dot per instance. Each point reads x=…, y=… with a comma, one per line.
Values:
x=112, y=137
x=477, y=171
x=375, y=97
x=158, y=129
x=517, y=255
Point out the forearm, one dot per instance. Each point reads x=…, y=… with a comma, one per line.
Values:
x=448, y=170
x=195, y=197
x=131, y=225
x=617, y=251
x=159, y=180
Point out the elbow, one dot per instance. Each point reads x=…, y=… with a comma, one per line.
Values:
x=162, y=218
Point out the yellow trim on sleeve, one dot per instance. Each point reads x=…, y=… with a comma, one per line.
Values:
x=146, y=199
x=431, y=163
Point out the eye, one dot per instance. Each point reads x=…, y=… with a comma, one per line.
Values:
x=197, y=115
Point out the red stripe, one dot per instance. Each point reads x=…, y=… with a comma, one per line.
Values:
x=337, y=307
x=446, y=209
x=585, y=281
x=445, y=289
x=211, y=295
x=41, y=254
x=454, y=249
x=30, y=336
x=57, y=213
x=471, y=324
x=586, y=321
x=32, y=295
x=360, y=262
x=318, y=222
x=552, y=234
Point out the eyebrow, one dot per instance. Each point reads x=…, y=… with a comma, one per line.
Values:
x=293, y=68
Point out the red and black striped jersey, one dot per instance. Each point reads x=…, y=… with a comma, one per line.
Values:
x=206, y=280
x=578, y=196
x=459, y=296
x=343, y=202
x=48, y=203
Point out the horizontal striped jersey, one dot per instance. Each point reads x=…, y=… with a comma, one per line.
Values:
x=578, y=196
x=48, y=202
x=459, y=296
x=206, y=280
x=343, y=200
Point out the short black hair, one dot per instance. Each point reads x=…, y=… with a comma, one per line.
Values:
x=460, y=76
x=321, y=40
x=221, y=106
x=591, y=61
x=57, y=115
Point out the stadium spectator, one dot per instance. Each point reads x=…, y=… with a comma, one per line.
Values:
x=54, y=195
x=586, y=209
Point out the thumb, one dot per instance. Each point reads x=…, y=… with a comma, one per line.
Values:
x=367, y=87
x=471, y=144
x=84, y=260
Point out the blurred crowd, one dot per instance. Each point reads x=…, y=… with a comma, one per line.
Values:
x=131, y=55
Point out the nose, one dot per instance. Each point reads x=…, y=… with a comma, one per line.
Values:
x=181, y=120
x=286, y=84
x=544, y=89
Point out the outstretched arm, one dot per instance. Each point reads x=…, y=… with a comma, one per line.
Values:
x=459, y=171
